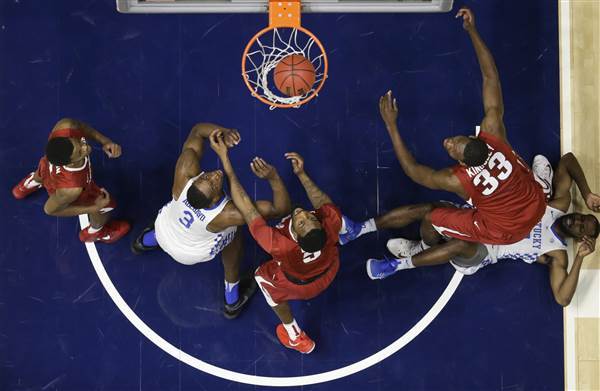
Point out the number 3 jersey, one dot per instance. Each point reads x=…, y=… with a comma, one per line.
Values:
x=281, y=243
x=181, y=230
x=503, y=190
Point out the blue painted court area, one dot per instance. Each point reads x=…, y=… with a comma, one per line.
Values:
x=144, y=80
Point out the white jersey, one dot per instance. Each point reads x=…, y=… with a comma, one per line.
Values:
x=181, y=229
x=541, y=240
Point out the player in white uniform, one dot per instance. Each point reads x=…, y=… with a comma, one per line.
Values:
x=546, y=243
x=201, y=220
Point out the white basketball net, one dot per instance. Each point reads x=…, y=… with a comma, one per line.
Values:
x=270, y=48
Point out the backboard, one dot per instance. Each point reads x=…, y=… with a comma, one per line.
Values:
x=258, y=6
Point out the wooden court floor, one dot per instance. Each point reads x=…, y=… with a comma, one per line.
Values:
x=580, y=133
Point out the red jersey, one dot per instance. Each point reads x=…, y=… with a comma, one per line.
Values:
x=503, y=190
x=60, y=177
x=280, y=243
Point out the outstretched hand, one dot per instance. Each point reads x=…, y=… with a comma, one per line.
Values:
x=587, y=246
x=232, y=137
x=297, y=162
x=467, y=17
x=112, y=150
x=262, y=169
x=388, y=108
x=593, y=202
x=217, y=143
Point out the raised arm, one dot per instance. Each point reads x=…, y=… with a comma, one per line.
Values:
x=188, y=163
x=421, y=174
x=562, y=282
x=110, y=148
x=315, y=195
x=567, y=171
x=493, y=105
x=240, y=198
x=268, y=238
x=281, y=204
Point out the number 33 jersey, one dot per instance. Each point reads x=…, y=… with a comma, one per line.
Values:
x=503, y=189
x=181, y=230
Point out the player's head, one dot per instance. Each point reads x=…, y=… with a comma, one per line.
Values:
x=577, y=225
x=469, y=150
x=309, y=232
x=206, y=189
x=61, y=151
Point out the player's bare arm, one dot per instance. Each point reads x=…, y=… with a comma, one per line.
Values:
x=493, y=105
x=110, y=148
x=282, y=203
x=421, y=174
x=240, y=198
x=188, y=163
x=564, y=283
x=567, y=171
x=280, y=206
x=315, y=195
x=59, y=203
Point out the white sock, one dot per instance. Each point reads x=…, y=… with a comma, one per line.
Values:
x=368, y=226
x=404, y=263
x=30, y=183
x=292, y=329
x=230, y=285
x=93, y=230
x=343, y=229
x=424, y=245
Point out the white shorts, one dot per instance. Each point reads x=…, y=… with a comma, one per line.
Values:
x=198, y=252
x=489, y=259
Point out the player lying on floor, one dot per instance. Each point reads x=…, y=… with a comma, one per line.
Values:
x=546, y=243
x=303, y=246
x=201, y=221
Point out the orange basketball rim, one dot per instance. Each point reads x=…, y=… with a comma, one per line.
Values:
x=283, y=36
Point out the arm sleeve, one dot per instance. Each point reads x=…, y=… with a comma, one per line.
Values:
x=331, y=219
x=268, y=238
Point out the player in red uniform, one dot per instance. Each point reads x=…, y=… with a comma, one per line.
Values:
x=303, y=246
x=66, y=173
x=507, y=200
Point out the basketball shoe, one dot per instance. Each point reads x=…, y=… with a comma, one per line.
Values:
x=110, y=233
x=22, y=190
x=302, y=343
x=401, y=247
x=378, y=269
x=138, y=247
x=247, y=288
x=543, y=173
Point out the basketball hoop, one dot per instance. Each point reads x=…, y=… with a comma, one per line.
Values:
x=284, y=37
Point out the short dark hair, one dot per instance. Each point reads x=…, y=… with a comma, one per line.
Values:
x=313, y=241
x=59, y=151
x=597, y=230
x=476, y=152
x=196, y=198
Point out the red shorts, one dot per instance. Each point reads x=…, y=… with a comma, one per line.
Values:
x=277, y=288
x=89, y=195
x=467, y=224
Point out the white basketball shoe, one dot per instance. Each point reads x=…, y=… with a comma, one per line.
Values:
x=543, y=173
x=403, y=248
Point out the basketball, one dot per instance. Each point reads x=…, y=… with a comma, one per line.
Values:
x=294, y=75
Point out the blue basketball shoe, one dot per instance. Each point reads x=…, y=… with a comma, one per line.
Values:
x=352, y=230
x=378, y=269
